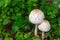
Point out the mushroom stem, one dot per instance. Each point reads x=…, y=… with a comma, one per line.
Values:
x=42, y=35
x=35, y=33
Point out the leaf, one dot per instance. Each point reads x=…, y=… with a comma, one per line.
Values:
x=27, y=35
x=18, y=21
x=14, y=29
x=19, y=36
x=6, y=21
x=34, y=0
x=6, y=38
x=4, y=3
x=14, y=2
x=11, y=38
x=36, y=38
x=58, y=21
x=1, y=3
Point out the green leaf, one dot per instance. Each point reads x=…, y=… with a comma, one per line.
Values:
x=36, y=38
x=19, y=36
x=6, y=21
x=11, y=38
x=1, y=3
x=27, y=35
x=19, y=21
x=14, y=29
x=4, y=3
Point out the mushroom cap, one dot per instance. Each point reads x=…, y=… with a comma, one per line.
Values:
x=36, y=16
x=44, y=26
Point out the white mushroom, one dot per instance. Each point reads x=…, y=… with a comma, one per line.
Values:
x=36, y=17
x=44, y=27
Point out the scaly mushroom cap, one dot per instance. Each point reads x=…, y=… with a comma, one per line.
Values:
x=36, y=16
x=44, y=26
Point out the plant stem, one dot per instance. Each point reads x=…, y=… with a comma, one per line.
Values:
x=35, y=33
x=42, y=35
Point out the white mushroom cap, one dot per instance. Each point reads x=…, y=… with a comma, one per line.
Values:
x=36, y=16
x=44, y=26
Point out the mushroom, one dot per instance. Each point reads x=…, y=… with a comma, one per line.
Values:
x=44, y=27
x=36, y=17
